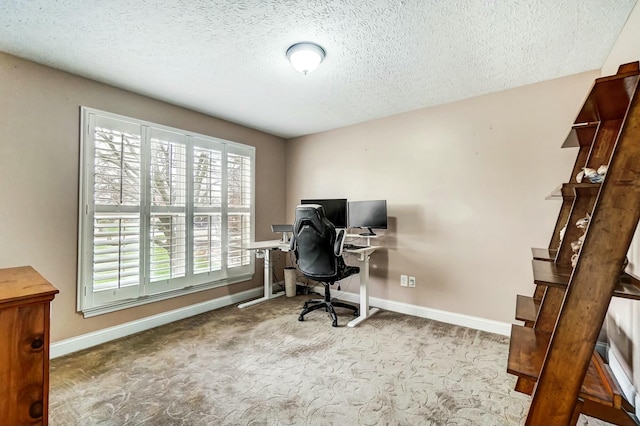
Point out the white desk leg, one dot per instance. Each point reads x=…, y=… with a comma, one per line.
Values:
x=267, y=284
x=365, y=312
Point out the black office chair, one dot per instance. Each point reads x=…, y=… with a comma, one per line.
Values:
x=318, y=250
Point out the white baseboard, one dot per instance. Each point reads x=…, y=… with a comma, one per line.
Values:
x=84, y=341
x=476, y=323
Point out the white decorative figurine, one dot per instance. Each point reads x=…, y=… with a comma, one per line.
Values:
x=602, y=170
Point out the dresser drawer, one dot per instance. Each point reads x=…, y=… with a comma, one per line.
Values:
x=25, y=299
x=22, y=364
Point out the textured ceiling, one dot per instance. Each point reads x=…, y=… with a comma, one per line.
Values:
x=227, y=58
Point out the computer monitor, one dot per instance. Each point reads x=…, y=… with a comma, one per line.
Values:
x=371, y=214
x=282, y=228
x=335, y=209
x=285, y=230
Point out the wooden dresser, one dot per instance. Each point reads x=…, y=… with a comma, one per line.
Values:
x=25, y=297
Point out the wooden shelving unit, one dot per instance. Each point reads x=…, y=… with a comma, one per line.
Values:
x=553, y=354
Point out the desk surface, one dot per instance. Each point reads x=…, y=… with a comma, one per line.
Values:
x=278, y=244
x=363, y=236
x=263, y=245
x=367, y=249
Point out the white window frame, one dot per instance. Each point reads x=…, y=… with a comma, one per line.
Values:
x=92, y=301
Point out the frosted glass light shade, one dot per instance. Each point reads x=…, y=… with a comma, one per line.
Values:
x=305, y=57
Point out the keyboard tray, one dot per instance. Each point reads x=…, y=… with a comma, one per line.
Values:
x=353, y=247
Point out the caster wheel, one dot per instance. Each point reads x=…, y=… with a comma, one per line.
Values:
x=300, y=318
x=334, y=323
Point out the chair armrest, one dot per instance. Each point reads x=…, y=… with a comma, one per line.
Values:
x=339, y=244
x=292, y=243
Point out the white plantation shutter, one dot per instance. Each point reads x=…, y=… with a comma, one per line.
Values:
x=207, y=194
x=207, y=188
x=239, y=225
x=207, y=247
x=168, y=205
x=168, y=246
x=239, y=194
x=116, y=251
x=162, y=212
x=114, y=262
x=117, y=162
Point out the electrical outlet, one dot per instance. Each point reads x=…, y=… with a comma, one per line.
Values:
x=404, y=280
x=412, y=281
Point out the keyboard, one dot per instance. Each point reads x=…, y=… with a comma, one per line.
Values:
x=352, y=247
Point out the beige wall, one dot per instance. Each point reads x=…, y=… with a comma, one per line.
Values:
x=465, y=185
x=39, y=157
x=627, y=46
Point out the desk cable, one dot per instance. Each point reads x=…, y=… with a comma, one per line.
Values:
x=272, y=266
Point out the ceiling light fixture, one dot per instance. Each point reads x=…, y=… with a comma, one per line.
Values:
x=305, y=57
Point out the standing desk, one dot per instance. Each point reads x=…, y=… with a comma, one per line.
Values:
x=265, y=248
x=363, y=256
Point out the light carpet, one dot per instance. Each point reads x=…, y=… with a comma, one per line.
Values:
x=261, y=366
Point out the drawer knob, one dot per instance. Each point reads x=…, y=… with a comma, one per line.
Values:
x=35, y=411
x=37, y=343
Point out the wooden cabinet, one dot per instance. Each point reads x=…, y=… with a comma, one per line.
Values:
x=25, y=297
x=553, y=354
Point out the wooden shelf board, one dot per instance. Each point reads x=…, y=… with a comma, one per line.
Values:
x=550, y=273
x=556, y=194
x=527, y=350
x=609, y=98
x=526, y=308
x=626, y=70
x=554, y=275
x=544, y=254
x=628, y=287
x=567, y=191
x=573, y=138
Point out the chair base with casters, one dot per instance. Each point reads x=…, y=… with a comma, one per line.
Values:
x=328, y=304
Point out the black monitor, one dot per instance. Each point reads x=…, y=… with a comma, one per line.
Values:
x=335, y=209
x=371, y=214
x=284, y=230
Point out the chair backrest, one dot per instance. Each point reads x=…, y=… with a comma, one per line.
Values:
x=316, y=244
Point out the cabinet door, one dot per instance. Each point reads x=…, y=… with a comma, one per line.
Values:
x=22, y=348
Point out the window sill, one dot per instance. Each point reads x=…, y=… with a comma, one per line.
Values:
x=131, y=303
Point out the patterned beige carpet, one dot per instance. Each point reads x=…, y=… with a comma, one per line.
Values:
x=261, y=366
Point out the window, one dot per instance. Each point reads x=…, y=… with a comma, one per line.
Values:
x=163, y=212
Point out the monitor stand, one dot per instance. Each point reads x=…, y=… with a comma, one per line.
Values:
x=368, y=234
